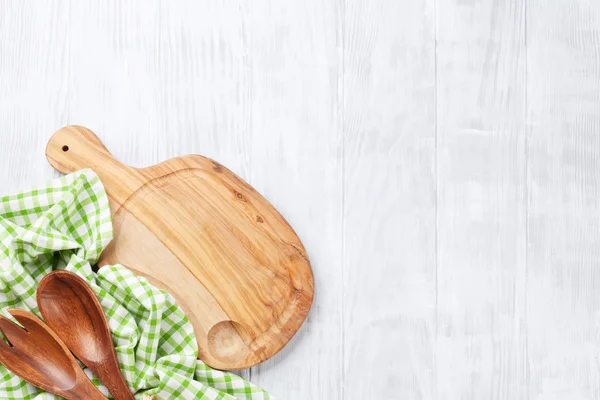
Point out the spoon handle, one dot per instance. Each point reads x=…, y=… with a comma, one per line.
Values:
x=88, y=395
x=115, y=383
x=84, y=390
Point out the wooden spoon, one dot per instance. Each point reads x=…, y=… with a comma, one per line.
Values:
x=71, y=309
x=38, y=356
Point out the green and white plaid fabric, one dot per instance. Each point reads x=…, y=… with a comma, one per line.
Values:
x=66, y=224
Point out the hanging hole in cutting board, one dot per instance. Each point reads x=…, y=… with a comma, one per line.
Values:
x=65, y=148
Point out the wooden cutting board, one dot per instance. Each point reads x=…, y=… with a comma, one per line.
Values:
x=197, y=230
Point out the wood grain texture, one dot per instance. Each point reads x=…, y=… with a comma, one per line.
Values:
x=481, y=331
x=563, y=226
x=389, y=199
x=331, y=110
x=197, y=230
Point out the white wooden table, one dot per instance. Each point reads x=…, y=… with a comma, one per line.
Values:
x=440, y=160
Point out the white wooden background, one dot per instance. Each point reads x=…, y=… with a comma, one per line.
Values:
x=440, y=160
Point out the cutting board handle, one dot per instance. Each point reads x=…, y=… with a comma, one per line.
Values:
x=74, y=147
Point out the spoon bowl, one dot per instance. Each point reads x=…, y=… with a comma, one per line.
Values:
x=72, y=310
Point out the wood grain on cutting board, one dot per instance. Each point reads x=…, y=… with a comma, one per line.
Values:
x=197, y=230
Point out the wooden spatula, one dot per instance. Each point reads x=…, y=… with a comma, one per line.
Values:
x=38, y=356
x=196, y=229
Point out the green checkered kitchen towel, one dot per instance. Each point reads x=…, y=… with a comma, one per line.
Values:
x=66, y=224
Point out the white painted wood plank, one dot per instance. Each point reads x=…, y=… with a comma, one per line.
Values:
x=481, y=164
x=161, y=81
x=295, y=161
x=389, y=199
x=564, y=203
x=33, y=78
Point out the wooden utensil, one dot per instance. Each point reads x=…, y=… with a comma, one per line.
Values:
x=72, y=311
x=194, y=228
x=38, y=356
